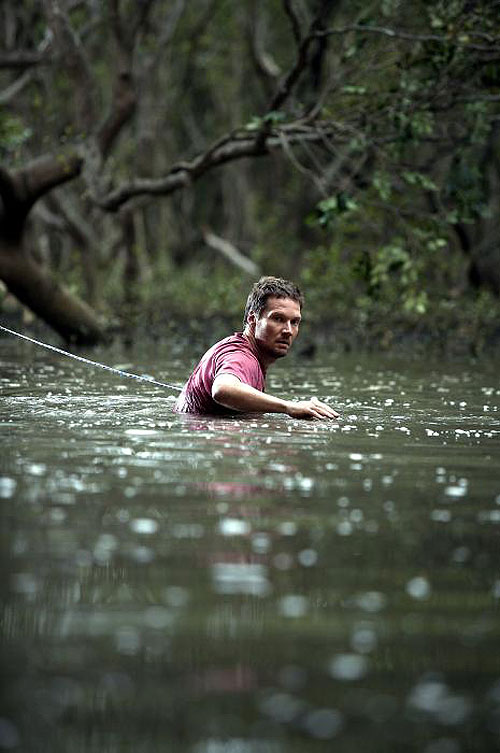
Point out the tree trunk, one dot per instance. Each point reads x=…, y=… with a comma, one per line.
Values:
x=37, y=289
x=23, y=275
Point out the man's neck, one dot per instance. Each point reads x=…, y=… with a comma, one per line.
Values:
x=265, y=359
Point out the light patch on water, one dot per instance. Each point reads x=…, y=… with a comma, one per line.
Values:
x=36, y=469
x=293, y=605
x=434, y=697
x=461, y=554
x=344, y=528
x=143, y=555
x=348, y=667
x=158, y=618
x=127, y=640
x=188, y=530
x=456, y=490
x=7, y=487
x=495, y=591
x=489, y=516
x=363, y=639
x=142, y=432
x=144, y=526
x=323, y=723
x=25, y=583
x=371, y=601
x=176, y=596
x=240, y=578
x=237, y=745
x=440, y=516
x=418, y=588
x=282, y=707
x=298, y=481
x=105, y=546
x=261, y=543
x=307, y=557
x=234, y=527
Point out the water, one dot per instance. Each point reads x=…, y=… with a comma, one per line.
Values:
x=250, y=585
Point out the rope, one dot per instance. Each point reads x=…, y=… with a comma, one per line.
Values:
x=61, y=352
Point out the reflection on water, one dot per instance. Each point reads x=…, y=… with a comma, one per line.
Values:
x=255, y=584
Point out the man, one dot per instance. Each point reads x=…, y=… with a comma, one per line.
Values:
x=230, y=378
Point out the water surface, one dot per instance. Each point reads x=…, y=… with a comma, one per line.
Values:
x=256, y=584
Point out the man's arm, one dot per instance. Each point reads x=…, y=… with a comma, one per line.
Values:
x=231, y=393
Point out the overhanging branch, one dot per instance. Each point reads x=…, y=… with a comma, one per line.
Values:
x=229, y=148
x=462, y=40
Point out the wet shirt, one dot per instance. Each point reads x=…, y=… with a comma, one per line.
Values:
x=233, y=355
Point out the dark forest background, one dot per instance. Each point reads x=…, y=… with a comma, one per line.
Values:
x=157, y=156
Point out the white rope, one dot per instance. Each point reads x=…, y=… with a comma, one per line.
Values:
x=61, y=352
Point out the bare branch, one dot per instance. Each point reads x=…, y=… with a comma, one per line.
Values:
x=229, y=250
x=229, y=148
x=23, y=59
x=264, y=64
x=50, y=219
x=168, y=28
x=310, y=174
x=73, y=219
x=459, y=41
x=124, y=97
x=289, y=81
x=75, y=61
x=41, y=175
x=297, y=33
x=17, y=86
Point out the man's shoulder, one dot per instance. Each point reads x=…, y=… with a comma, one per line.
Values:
x=235, y=342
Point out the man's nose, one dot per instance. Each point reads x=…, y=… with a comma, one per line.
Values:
x=288, y=327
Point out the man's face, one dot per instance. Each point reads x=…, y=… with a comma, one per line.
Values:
x=277, y=327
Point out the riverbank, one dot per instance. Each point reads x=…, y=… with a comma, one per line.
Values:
x=465, y=327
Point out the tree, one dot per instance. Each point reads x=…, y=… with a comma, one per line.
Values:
x=390, y=115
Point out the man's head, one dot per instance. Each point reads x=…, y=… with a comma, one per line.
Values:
x=272, y=316
x=266, y=288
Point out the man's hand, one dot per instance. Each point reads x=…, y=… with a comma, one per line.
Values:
x=310, y=409
x=230, y=392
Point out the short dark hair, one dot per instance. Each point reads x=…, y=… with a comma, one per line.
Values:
x=270, y=287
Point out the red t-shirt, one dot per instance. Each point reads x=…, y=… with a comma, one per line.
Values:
x=233, y=355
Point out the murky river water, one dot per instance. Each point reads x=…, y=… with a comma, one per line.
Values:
x=250, y=585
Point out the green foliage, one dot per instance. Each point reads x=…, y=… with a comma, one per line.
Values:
x=328, y=210
x=13, y=133
x=370, y=216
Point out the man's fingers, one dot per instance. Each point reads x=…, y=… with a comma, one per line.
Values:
x=325, y=409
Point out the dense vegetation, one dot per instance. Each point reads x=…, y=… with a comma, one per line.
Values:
x=157, y=156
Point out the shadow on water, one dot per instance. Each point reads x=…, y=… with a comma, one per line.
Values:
x=256, y=584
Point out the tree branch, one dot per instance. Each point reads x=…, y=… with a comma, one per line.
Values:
x=229, y=250
x=460, y=41
x=75, y=62
x=23, y=59
x=17, y=86
x=124, y=97
x=294, y=21
x=229, y=148
x=41, y=175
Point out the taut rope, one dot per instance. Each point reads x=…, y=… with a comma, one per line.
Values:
x=92, y=363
